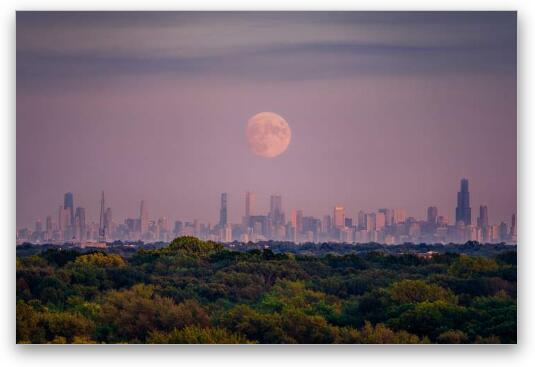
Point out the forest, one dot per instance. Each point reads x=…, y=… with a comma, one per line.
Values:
x=194, y=291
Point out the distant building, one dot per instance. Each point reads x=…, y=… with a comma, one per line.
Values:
x=326, y=224
x=370, y=222
x=339, y=216
x=380, y=221
x=432, y=215
x=463, y=212
x=223, y=215
x=513, y=228
x=299, y=221
x=503, y=232
x=250, y=207
x=483, y=219
x=68, y=204
x=226, y=233
x=388, y=215
x=361, y=220
x=102, y=228
x=143, y=217
x=275, y=212
x=178, y=228
x=79, y=223
x=399, y=216
x=108, y=220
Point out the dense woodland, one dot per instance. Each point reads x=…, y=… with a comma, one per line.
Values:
x=193, y=291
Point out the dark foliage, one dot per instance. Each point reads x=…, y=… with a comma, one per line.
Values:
x=194, y=291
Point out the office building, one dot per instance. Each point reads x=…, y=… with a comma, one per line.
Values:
x=463, y=212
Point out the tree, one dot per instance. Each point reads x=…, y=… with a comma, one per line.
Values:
x=192, y=246
x=101, y=259
x=197, y=335
x=133, y=313
x=416, y=291
x=452, y=337
x=431, y=319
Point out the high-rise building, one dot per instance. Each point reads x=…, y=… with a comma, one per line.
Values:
x=483, y=219
x=38, y=226
x=250, y=207
x=299, y=221
x=339, y=216
x=275, y=210
x=326, y=224
x=101, y=227
x=79, y=223
x=463, y=212
x=432, y=215
x=223, y=219
x=503, y=232
x=108, y=222
x=399, y=216
x=388, y=215
x=361, y=223
x=226, y=233
x=178, y=228
x=513, y=228
x=380, y=221
x=143, y=218
x=68, y=204
x=370, y=222
x=49, y=225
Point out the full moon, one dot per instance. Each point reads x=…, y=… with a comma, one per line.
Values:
x=268, y=134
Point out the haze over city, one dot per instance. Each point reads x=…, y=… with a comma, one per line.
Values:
x=386, y=110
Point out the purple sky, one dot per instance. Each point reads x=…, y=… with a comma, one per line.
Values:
x=386, y=110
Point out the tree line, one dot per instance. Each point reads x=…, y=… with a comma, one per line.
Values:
x=194, y=291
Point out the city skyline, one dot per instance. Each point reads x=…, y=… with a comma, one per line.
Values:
x=236, y=205
x=386, y=109
x=383, y=225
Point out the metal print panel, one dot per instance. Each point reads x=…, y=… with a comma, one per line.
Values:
x=266, y=177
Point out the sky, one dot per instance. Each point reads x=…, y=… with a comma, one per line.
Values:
x=386, y=109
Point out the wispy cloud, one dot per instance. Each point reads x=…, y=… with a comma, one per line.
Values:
x=302, y=45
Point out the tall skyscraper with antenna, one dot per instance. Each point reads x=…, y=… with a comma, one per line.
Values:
x=102, y=228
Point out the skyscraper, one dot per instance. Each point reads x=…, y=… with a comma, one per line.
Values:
x=223, y=219
x=399, y=216
x=380, y=221
x=49, y=224
x=361, y=222
x=143, y=218
x=38, y=226
x=513, y=228
x=339, y=216
x=326, y=224
x=79, y=223
x=432, y=215
x=483, y=219
x=299, y=221
x=250, y=204
x=101, y=227
x=370, y=222
x=68, y=204
x=463, y=212
x=68, y=208
x=275, y=213
x=388, y=215
x=107, y=222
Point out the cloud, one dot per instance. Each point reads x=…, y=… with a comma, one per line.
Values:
x=269, y=45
